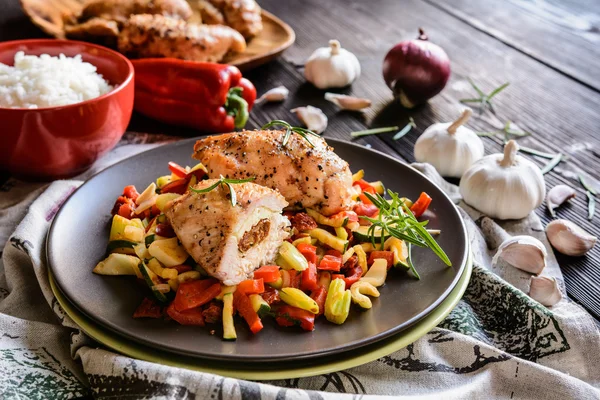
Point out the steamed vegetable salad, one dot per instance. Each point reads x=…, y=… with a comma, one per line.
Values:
x=329, y=262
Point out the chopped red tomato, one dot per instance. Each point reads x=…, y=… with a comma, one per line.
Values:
x=268, y=273
x=251, y=286
x=165, y=230
x=421, y=205
x=177, y=170
x=242, y=304
x=130, y=192
x=148, y=309
x=350, y=215
x=330, y=263
x=353, y=275
x=308, y=251
x=271, y=295
x=364, y=199
x=337, y=276
x=294, y=316
x=126, y=210
x=365, y=209
x=179, y=186
x=196, y=293
x=309, y=277
x=364, y=185
x=388, y=256
x=193, y=316
x=319, y=295
x=181, y=268
x=295, y=278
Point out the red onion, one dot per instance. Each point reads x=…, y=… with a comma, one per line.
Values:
x=416, y=70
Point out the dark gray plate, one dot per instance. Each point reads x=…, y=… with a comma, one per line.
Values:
x=79, y=234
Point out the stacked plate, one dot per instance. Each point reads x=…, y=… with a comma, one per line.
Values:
x=102, y=306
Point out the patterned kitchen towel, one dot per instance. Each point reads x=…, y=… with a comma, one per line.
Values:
x=497, y=343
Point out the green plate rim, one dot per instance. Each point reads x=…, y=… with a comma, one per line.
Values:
x=282, y=371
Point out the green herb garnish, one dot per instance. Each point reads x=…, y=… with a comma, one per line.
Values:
x=484, y=100
x=289, y=129
x=410, y=263
x=552, y=163
x=375, y=131
x=507, y=131
x=411, y=124
x=591, y=193
x=224, y=182
x=396, y=219
x=535, y=152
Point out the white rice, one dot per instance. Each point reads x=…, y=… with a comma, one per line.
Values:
x=47, y=81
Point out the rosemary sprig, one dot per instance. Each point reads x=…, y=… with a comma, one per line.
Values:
x=552, y=163
x=484, y=100
x=535, y=152
x=507, y=131
x=411, y=124
x=225, y=182
x=410, y=263
x=289, y=129
x=587, y=185
x=396, y=219
x=591, y=193
x=375, y=131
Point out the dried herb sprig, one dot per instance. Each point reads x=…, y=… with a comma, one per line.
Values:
x=411, y=124
x=535, y=152
x=396, y=219
x=591, y=193
x=225, y=182
x=507, y=131
x=552, y=163
x=484, y=100
x=289, y=129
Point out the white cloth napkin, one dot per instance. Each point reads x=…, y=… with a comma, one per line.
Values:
x=497, y=343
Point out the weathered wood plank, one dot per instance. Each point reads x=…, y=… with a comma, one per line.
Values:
x=563, y=35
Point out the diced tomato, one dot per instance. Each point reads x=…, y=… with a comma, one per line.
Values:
x=165, y=230
x=421, y=205
x=130, y=192
x=335, y=253
x=319, y=295
x=148, y=309
x=271, y=295
x=294, y=316
x=364, y=199
x=177, y=170
x=242, y=304
x=251, y=286
x=295, y=278
x=337, y=276
x=182, y=268
x=386, y=255
x=330, y=263
x=364, y=185
x=365, y=209
x=353, y=275
x=309, y=277
x=308, y=251
x=126, y=210
x=179, y=186
x=268, y=273
x=196, y=293
x=193, y=316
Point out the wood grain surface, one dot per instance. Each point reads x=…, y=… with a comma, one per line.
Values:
x=548, y=50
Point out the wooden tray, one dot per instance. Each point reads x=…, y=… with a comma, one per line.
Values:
x=275, y=37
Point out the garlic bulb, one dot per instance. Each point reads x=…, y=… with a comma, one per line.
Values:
x=504, y=186
x=348, y=102
x=279, y=93
x=545, y=290
x=558, y=195
x=331, y=67
x=523, y=252
x=312, y=117
x=450, y=147
x=568, y=238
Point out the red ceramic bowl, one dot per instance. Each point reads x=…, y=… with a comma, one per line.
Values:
x=58, y=142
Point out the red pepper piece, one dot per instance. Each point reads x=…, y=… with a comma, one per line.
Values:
x=177, y=170
x=251, y=286
x=330, y=263
x=364, y=186
x=179, y=186
x=337, y=276
x=196, y=293
x=148, y=309
x=193, y=316
x=308, y=251
x=268, y=273
x=130, y=192
x=353, y=274
x=367, y=210
x=309, y=277
x=388, y=256
x=207, y=96
x=126, y=210
x=242, y=304
x=319, y=295
x=271, y=295
x=421, y=205
x=294, y=316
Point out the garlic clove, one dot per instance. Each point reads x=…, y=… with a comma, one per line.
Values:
x=312, y=117
x=523, y=252
x=279, y=93
x=557, y=196
x=348, y=102
x=545, y=290
x=568, y=238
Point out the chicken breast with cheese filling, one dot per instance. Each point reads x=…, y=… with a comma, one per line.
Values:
x=230, y=242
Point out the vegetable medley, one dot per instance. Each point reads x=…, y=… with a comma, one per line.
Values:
x=329, y=262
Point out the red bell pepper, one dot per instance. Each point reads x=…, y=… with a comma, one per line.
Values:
x=308, y=251
x=330, y=263
x=131, y=192
x=271, y=295
x=388, y=256
x=251, y=286
x=268, y=273
x=352, y=275
x=179, y=186
x=364, y=186
x=242, y=304
x=294, y=316
x=148, y=309
x=309, y=277
x=337, y=276
x=196, y=293
x=206, y=96
x=177, y=170
x=193, y=316
x=319, y=295
x=365, y=209
x=421, y=205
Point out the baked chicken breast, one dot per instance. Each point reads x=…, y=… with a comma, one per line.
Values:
x=121, y=10
x=148, y=35
x=242, y=15
x=230, y=242
x=306, y=176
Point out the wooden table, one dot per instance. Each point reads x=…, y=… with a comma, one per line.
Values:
x=549, y=51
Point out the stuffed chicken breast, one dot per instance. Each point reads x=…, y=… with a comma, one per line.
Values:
x=228, y=241
x=308, y=177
